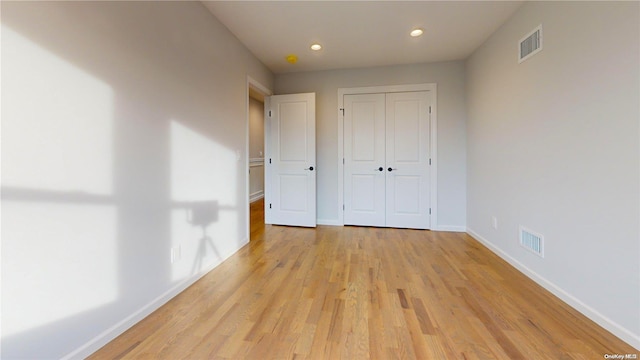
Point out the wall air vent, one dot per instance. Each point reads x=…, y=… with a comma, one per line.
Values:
x=532, y=241
x=530, y=45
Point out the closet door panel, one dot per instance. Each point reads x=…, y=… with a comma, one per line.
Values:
x=364, y=152
x=407, y=157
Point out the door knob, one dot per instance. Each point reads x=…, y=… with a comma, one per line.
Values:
x=310, y=168
x=391, y=169
x=380, y=169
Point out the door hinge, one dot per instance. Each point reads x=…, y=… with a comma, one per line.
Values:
x=270, y=112
x=429, y=161
x=429, y=211
x=269, y=160
x=429, y=109
x=270, y=207
x=342, y=161
x=342, y=109
x=342, y=206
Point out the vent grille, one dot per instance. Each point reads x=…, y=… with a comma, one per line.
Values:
x=530, y=45
x=532, y=241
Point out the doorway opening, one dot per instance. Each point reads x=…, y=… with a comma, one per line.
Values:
x=255, y=151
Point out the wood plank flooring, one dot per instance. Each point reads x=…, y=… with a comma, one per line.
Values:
x=359, y=293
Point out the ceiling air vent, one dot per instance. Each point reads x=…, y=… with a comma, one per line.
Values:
x=530, y=45
x=532, y=241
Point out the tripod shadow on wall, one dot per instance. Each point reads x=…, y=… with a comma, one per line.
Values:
x=202, y=214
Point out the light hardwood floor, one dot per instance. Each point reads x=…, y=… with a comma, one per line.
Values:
x=357, y=293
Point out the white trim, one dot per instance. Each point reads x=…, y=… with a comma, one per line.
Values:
x=433, y=181
x=256, y=161
x=450, y=228
x=387, y=89
x=328, y=222
x=120, y=327
x=447, y=228
x=267, y=155
x=610, y=325
x=253, y=197
x=258, y=86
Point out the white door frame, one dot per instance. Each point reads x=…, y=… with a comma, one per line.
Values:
x=432, y=87
x=256, y=85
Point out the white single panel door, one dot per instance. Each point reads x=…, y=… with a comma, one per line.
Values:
x=364, y=154
x=407, y=157
x=292, y=160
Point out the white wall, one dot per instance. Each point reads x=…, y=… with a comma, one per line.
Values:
x=553, y=144
x=121, y=123
x=449, y=77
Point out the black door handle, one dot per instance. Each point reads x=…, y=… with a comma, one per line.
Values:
x=390, y=169
x=380, y=168
x=310, y=168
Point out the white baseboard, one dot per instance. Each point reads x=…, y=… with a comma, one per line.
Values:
x=452, y=228
x=610, y=325
x=329, y=222
x=123, y=325
x=256, y=196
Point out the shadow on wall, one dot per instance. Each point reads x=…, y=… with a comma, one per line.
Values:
x=113, y=156
x=202, y=214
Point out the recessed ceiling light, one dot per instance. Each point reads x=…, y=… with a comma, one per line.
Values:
x=316, y=47
x=416, y=32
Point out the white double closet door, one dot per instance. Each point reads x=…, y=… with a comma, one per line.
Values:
x=387, y=159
